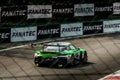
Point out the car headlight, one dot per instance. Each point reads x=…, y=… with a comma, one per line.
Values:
x=36, y=55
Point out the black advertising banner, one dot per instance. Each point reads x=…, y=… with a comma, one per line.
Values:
x=13, y=13
x=92, y=28
x=5, y=35
x=63, y=10
x=49, y=31
x=103, y=10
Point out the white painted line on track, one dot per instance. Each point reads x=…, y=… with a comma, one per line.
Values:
x=112, y=76
x=12, y=48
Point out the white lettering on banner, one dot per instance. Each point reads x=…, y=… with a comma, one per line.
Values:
x=84, y=10
x=107, y=8
x=4, y=35
x=39, y=11
x=111, y=26
x=116, y=8
x=73, y=29
x=65, y=10
x=23, y=34
x=95, y=27
x=14, y=13
x=48, y=31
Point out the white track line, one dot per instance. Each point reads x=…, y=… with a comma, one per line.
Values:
x=12, y=48
x=117, y=73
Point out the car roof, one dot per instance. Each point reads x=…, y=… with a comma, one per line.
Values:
x=59, y=43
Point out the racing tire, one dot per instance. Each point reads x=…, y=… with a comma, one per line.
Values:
x=62, y=63
x=66, y=63
x=83, y=60
x=72, y=60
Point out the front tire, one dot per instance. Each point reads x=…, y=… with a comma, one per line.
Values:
x=73, y=61
x=83, y=57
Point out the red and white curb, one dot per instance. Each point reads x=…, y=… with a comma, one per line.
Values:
x=113, y=76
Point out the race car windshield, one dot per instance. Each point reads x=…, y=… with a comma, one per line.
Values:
x=53, y=48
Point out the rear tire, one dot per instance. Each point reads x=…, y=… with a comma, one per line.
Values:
x=83, y=60
x=72, y=60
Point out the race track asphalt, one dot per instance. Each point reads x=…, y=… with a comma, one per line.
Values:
x=103, y=59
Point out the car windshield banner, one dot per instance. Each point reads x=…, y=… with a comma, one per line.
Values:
x=92, y=28
x=23, y=34
x=63, y=11
x=13, y=13
x=111, y=26
x=5, y=35
x=72, y=29
x=39, y=11
x=49, y=31
x=84, y=10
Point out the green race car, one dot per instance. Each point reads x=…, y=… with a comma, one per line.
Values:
x=60, y=53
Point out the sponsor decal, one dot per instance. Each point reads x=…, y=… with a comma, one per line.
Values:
x=92, y=28
x=39, y=11
x=49, y=31
x=4, y=35
x=111, y=26
x=116, y=8
x=73, y=29
x=23, y=34
x=13, y=13
x=63, y=11
x=84, y=10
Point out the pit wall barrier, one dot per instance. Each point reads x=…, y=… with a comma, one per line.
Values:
x=53, y=31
